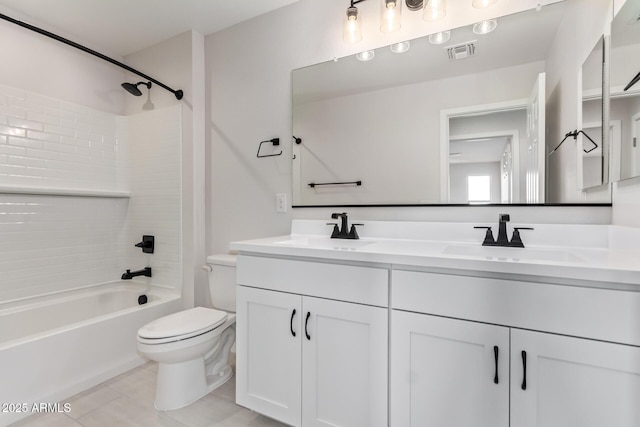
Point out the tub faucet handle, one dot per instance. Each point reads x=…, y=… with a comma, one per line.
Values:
x=147, y=245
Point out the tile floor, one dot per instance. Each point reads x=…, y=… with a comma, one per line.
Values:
x=127, y=400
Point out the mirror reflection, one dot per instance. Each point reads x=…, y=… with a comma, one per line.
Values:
x=592, y=142
x=458, y=118
x=625, y=91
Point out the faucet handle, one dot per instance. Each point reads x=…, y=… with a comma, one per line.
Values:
x=488, y=237
x=516, y=241
x=336, y=230
x=353, y=234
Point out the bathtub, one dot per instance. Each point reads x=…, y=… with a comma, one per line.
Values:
x=54, y=346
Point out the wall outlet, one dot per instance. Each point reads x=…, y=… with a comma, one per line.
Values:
x=281, y=202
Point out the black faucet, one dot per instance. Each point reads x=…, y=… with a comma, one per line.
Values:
x=341, y=232
x=131, y=274
x=503, y=240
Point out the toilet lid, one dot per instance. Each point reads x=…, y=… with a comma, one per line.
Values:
x=188, y=322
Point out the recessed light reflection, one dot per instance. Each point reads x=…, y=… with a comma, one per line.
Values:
x=439, y=38
x=400, y=47
x=483, y=4
x=367, y=55
x=485, y=27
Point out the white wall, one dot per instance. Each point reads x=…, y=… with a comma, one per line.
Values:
x=583, y=25
x=626, y=194
x=39, y=64
x=249, y=91
x=399, y=159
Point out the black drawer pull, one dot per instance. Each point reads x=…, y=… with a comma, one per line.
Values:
x=524, y=370
x=495, y=354
x=293, y=313
x=305, y=326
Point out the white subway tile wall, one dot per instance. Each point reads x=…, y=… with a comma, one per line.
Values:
x=50, y=143
x=53, y=243
x=156, y=186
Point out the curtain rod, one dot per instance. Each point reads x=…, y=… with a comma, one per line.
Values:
x=178, y=93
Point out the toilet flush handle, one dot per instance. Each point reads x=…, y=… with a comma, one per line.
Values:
x=207, y=267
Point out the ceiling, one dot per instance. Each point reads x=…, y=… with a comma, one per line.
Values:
x=122, y=27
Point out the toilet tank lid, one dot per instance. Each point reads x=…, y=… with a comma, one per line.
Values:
x=222, y=259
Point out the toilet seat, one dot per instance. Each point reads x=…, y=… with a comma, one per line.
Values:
x=181, y=325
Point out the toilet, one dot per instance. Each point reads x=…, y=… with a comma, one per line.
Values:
x=192, y=346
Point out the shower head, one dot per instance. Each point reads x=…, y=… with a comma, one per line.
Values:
x=133, y=88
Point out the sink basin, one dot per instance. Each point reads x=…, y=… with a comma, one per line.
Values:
x=325, y=243
x=516, y=254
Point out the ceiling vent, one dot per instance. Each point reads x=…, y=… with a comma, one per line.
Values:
x=462, y=50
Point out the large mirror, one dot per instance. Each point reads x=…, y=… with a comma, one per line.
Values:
x=459, y=121
x=625, y=91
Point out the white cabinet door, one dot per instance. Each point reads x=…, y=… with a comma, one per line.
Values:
x=344, y=349
x=268, y=365
x=444, y=372
x=573, y=382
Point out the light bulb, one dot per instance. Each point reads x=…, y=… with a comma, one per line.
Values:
x=434, y=10
x=352, y=32
x=390, y=14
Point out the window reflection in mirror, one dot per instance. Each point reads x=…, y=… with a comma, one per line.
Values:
x=625, y=104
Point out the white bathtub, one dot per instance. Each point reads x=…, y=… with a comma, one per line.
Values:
x=54, y=346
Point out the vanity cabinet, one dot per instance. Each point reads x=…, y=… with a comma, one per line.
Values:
x=447, y=372
x=573, y=382
x=445, y=329
x=310, y=350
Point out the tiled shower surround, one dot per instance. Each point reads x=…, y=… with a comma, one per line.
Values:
x=55, y=242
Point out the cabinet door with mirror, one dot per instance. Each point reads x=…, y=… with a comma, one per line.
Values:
x=625, y=91
x=461, y=117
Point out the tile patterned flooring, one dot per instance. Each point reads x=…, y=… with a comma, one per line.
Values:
x=127, y=400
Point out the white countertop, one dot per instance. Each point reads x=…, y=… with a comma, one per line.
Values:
x=595, y=253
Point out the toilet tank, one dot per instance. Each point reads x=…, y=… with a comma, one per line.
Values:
x=222, y=281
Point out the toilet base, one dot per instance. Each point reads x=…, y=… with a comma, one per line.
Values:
x=181, y=384
x=215, y=381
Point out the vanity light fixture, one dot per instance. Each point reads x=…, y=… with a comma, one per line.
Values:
x=390, y=14
x=485, y=27
x=440, y=38
x=365, y=56
x=352, y=30
x=483, y=4
x=435, y=10
x=401, y=47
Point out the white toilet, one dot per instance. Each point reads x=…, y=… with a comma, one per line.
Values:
x=192, y=346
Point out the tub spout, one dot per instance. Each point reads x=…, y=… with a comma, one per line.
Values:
x=128, y=275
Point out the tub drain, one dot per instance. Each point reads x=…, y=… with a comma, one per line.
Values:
x=142, y=299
